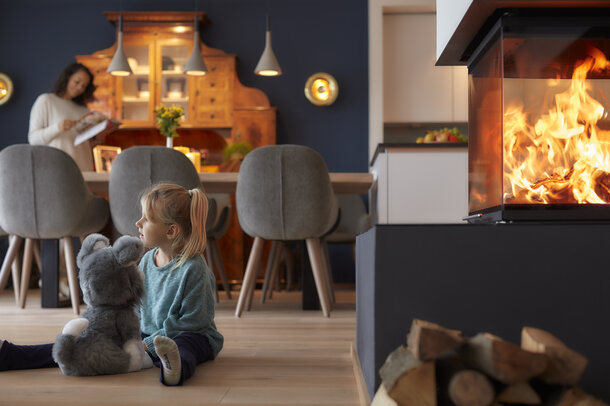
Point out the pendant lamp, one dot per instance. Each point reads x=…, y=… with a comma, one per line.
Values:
x=119, y=66
x=268, y=65
x=195, y=65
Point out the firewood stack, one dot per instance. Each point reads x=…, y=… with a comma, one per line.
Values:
x=441, y=367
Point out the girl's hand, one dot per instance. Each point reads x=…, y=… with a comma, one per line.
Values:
x=66, y=125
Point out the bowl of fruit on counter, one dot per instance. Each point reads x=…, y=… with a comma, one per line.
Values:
x=442, y=136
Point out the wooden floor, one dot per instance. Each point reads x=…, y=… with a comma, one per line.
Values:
x=275, y=354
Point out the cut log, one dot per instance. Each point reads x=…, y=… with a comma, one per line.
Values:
x=471, y=388
x=428, y=340
x=520, y=393
x=504, y=361
x=408, y=380
x=382, y=398
x=576, y=397
x=565, y=366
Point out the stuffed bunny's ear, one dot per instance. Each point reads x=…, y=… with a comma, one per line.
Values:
x=92, y=243
x=128, y=250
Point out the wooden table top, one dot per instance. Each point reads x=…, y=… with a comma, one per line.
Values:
x=226, y=182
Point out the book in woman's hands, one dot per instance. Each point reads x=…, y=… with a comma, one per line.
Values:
x=93, y=124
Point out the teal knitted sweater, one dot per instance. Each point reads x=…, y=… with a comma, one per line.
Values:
x=179, y=300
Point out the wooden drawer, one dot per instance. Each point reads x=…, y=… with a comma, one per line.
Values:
x=214, y=117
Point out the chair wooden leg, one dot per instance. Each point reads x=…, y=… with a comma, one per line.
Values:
x=215, y=252
x=210, y=260
x=318, y=269
x=36, y=252
x=269, y=269
x=275, y=270
x=249, y=275
x=10, y=261
x=329, y=271
x=71, y=269
x=287, y=255
x=25, y=272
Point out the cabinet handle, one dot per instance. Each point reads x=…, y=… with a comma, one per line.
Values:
x=212, y=100
x=213, y=68
x=212, y=84
x=212, y=115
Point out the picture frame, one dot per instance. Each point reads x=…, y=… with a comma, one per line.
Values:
x=103, y=156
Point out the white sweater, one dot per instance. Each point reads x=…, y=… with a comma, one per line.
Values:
x=47, y=112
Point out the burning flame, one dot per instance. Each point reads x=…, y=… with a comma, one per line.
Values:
x=564, y=157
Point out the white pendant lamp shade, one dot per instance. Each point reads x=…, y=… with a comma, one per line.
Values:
x=195, y=65
x=119, y=66
x=268, y=65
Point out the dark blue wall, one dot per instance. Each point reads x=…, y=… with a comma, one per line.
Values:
x=39, y=37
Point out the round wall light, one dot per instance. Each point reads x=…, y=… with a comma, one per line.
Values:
x=321, y=89
x=6, y=88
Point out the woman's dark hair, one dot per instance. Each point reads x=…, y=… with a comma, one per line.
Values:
x=62, y=83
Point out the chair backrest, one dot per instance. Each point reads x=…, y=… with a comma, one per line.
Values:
x=42, y=192
x=138, y=168
x=284, y=193
x=353, y=220
x=223, y=215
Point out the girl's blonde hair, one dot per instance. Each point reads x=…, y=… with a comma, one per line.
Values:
x=166, y=203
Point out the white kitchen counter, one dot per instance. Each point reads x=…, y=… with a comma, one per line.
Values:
x=420, y=183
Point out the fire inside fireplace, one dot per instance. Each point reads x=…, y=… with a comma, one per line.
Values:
x=538, y=118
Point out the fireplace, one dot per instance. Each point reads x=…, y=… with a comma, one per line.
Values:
x=539, y=131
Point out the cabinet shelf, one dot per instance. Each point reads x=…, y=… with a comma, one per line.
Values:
x=173, y=100
x=134, y=100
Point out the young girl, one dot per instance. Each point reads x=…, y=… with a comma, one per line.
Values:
x=177, y=314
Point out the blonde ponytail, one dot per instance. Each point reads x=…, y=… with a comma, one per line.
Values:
x=196, y=242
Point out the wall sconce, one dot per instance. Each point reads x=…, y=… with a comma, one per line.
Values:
x=6, y=88
x=321, y=89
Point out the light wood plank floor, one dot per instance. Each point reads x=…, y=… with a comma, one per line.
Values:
x=276, y=354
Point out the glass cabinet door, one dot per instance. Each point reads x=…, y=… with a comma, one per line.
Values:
x=174, y=82
x=137, y=91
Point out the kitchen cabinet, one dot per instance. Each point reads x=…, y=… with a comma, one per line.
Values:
x=414, y=89
x=157, y=46
x=420, y=184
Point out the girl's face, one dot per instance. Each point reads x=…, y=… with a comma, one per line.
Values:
x=77, y=84
x=152, y=234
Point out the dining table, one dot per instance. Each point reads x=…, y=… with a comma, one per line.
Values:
x=226, y=182
x=213, y=182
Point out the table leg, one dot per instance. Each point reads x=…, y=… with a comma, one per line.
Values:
x=49, y=255
x=310, y=299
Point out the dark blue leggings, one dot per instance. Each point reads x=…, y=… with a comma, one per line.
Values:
x=194, y=349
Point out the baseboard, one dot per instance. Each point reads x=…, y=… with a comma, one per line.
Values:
x=363, y=393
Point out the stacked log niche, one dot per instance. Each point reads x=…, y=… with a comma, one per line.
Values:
x=440, y=366
x=219, y=109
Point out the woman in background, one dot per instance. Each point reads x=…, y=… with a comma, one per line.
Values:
x=54, y=116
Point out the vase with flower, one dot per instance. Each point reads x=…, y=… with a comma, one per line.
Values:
x=168, y=121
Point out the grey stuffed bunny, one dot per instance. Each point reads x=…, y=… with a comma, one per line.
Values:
x=106, y=339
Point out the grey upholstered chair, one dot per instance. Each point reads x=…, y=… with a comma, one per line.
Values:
x=284, y=193
x=354, y=220
x=43, y=195
x=10, y=261
x=138, y=168
x=217, y=231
